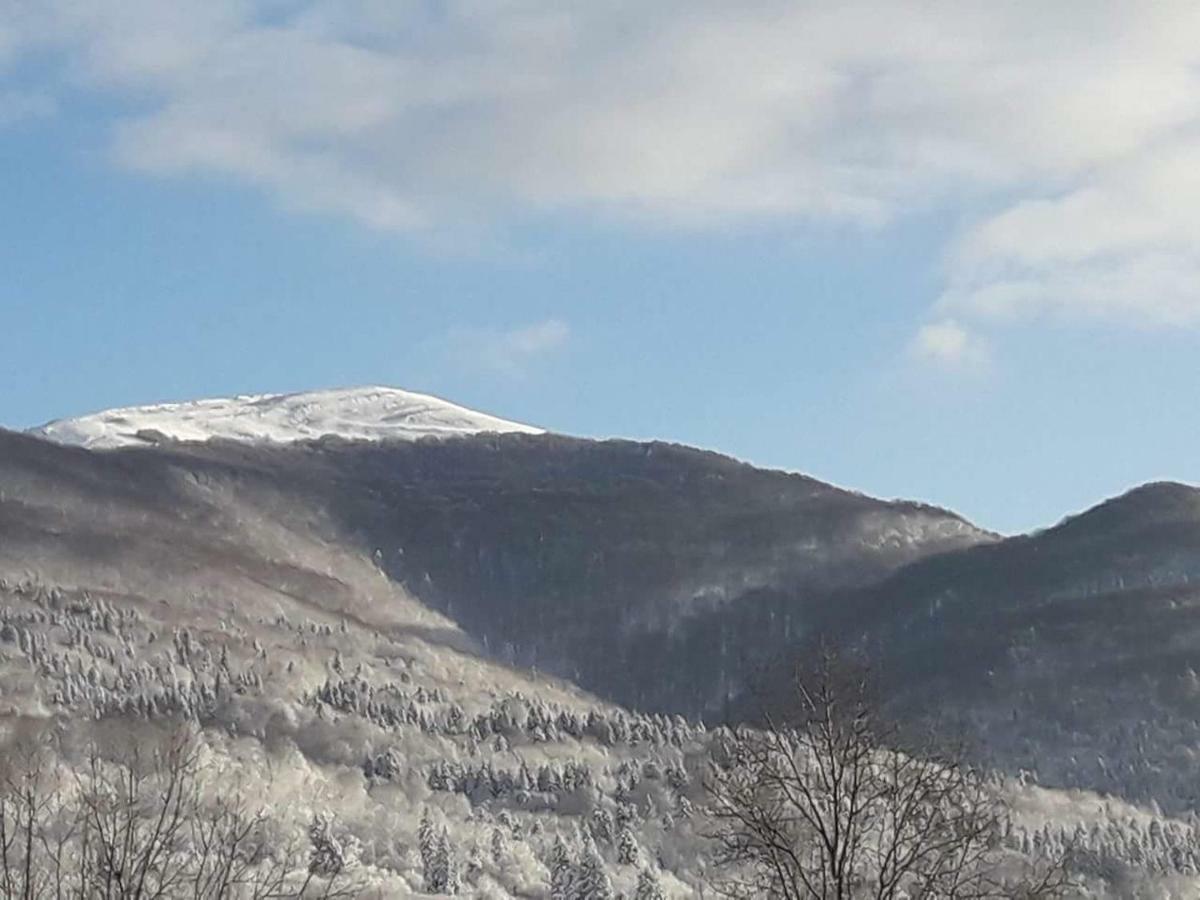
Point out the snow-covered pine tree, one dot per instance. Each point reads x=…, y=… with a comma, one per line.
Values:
x=440, y=869
x=427, y=845
x=449, y=879
x=628, y=852
x=648, y=887
x=562, y=871
x=499, y=845
x=593, y=881
x=602, y=826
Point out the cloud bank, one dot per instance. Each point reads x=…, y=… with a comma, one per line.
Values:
x=1062, y=135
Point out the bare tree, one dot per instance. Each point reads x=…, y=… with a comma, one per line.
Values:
x=828, y=806
x=148, y=823
x=26, y=797
x=135, y=817
x=237, y=852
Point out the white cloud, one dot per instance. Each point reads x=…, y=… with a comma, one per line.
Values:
x=507, y=352
x=1071, y=121
x=949, y=344
x=1119, y=246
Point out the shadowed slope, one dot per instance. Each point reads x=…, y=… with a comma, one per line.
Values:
x=637, y=570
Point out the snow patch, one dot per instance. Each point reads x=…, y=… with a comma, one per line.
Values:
x=365, y=413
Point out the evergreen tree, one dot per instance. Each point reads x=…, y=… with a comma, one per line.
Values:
x=593, y=882
x=602, y=825
x=627, y=848
x=499, y=845
x=648, y=887
x=440, y=865
x=562, y=872
x=427, y=844
x=449, y=878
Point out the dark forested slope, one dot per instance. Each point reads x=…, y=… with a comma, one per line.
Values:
x=637, y=570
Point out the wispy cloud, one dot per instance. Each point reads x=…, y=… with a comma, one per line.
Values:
x=950, y=345
x=1119, y=246
x=510, y=352
x=1061, y=133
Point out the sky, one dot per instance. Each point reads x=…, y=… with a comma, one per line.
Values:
x=944, y=251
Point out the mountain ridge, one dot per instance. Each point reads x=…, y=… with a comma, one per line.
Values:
x=1159, y=501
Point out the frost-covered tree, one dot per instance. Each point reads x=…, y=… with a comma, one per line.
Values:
x=562, y=871
x=329, y=856
x=447, y=878
x=438, y=859
x=499, y=845
x=593, y=880
x=648, y=887
x=628, y=852
x=427, y=841
x=602, y=825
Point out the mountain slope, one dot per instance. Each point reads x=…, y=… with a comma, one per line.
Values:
x=136, y=592
x=1072, y=651
x=367, y=413
x=636, y=570
x=674, y=580
x=221, y=584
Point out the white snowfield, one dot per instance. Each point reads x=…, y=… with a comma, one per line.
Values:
x=362, y=413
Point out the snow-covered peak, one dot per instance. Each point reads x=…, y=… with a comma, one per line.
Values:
x=365, y=413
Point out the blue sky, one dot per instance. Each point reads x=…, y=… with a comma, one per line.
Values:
x=933, y=257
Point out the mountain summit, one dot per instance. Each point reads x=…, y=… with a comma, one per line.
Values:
x=363, y=413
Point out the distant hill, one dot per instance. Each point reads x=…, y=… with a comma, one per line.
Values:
x=1072, y=651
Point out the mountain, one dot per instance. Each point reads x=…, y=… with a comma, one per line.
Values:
x=364, y=413
x=409, y=626
x=1072, y=651
x=221, y=584
x=641, y=571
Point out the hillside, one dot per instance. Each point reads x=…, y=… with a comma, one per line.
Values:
x=134, y=594
x=638, y=571
x=140, y=588
x=507, y=636
x=1072, y=651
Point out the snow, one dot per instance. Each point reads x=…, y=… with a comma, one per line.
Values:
x=363, y=413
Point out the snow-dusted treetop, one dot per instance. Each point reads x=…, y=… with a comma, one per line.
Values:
x=367, y=413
